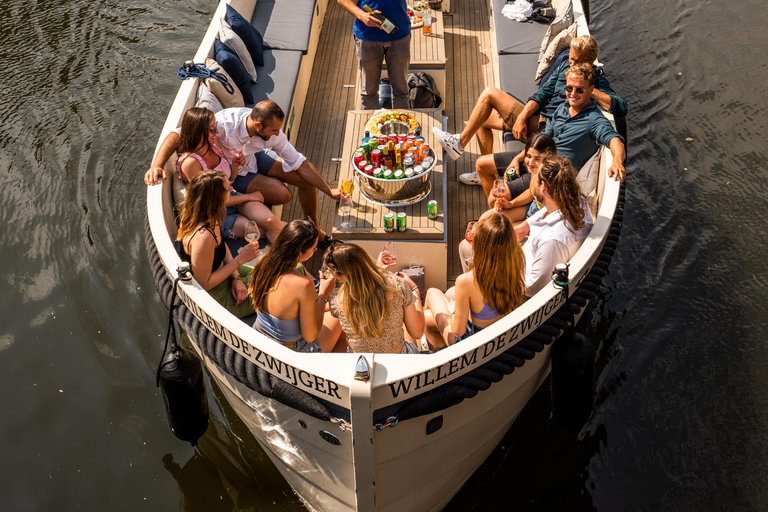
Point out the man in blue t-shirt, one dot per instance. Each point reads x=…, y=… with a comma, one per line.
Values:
x=375, y=42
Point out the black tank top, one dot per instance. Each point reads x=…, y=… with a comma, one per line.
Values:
x=218, y=253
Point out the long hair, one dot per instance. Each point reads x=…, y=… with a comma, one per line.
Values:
x=499, y=264
x=542, y=143
x=194, y=129
x=364, y=289
x=204, y=202
x=559, y=176
x=295, y=238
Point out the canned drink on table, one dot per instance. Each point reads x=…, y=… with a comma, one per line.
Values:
x=402, y=222
x=432, y=209
x=388, y=175
x=399, y=175
x=389, y=222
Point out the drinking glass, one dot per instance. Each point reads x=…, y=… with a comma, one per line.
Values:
x=469, y=236
x=426, y=28
x=498, y=190
x=347, y=186
x=345, y=209
x=390, y=252
x=325, y=272
x=252, y=232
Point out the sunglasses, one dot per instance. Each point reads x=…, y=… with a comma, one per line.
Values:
x=570, y=88
x=329, y=258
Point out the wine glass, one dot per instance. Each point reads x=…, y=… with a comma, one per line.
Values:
x=347, y=186
x=326, y=272
x=390, y=253
x=469, y=236
x=252, y=232
x=345, y=209
x=498, y=190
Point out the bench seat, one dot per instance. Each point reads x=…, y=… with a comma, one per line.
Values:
x=285, y=24
x=513, y=37
x=277, y=77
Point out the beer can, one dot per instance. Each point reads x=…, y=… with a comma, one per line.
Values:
x=409, y=172
x=378, y=173
x=432, y=209
x=402, y=221
x=376, y=157
x=368, y=170
x=389, y=222
x=388, y=175
x=399, y=175
x=510, y=174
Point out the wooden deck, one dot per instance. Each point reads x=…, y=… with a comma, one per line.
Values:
x=469, y=69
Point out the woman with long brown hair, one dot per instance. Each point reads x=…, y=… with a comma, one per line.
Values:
x=199, y=151
x=373, y=305
x=202, y=244
x=493, y=288
x=284, y=295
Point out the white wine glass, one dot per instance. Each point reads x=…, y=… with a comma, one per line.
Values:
x=390, y=253
x=252, y=233
x=345, y=209
x=498, y=191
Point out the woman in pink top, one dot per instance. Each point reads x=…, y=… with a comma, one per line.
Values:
x=200, y=152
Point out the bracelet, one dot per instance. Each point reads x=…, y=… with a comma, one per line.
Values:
x=322, y=299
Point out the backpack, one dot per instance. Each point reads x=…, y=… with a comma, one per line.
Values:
x=422, y=91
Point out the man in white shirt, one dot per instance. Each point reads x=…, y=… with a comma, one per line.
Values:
x=557, y=230
x=255, y=140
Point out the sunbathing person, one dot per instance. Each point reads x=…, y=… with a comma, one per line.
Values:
x=497, y=110
x=555, y=232
x=266, y=158
x=202, y=244
x=483, y=295
x=200, y=152
x=284, y=295
x=373, y=305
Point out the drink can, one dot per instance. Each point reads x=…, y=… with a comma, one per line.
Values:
x=399, y=175
x=510, y=174
x=427, y=162
x=389, y=222
x=408, y=161
x=425, y=151
x=402, y=138
x=378, y=173
x=382, y=140
x=368, y=170
x=409, y=172
x=432, y=209
x=419, y=140
x=387, y=174
x=402, y=221
x=361, y=164
x=410, y=139
x=418, y=170
x=373, y=143
x=359, y=155
x=376, y=157
x=392, y=138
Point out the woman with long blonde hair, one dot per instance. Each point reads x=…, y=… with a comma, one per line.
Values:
x=373, y=305
x=492, y=289
x=202, y=244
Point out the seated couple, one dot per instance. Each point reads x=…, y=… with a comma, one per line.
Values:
x=254, y=140
x=568, y=103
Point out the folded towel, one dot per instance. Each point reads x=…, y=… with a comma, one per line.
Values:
x=518, y=11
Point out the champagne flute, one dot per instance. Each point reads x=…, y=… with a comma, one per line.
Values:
x=390, y=253
x=252, y=232
x=498, y=191
x=469, y=236
x=347, y=186
x=345, y=209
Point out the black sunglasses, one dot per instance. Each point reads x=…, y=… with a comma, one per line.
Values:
x=570, y=88
x=329, y=257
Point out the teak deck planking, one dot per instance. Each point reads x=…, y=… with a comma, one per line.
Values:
x=469, y=69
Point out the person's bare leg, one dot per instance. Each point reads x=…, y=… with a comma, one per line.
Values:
x=490, y=99
x=272, y=189
x=329, y=332
x=265, y=219
x=486, y=171
x=440, y=313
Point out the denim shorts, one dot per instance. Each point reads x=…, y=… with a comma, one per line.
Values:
x=265, y=160
x=532, y=208
x=471, y=329
x=230, y=218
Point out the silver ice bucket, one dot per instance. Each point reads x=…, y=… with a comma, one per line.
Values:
x=402, y=192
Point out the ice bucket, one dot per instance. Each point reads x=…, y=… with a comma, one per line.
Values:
x=402, y=192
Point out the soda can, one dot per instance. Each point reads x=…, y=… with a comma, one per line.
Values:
x=402, y=221
x=408, y=161
x=389, y=222
x=382, y=140
x=409, y=172
x=425, y=151
x=368, y=170
x=378, y=173
x=427, y=162
x=392, y=139
x=419, y=140
x=510, y=174
x=362, y=163
x=388, y=174
x=373, y=143
x=399, y=175
x=410, y=139
x=401, y=139
x=359, y=155
x=418, y=170
x=376, y=157
x=432, y=209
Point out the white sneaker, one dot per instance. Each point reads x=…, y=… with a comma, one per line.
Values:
x=470, y=178
x=450, y=142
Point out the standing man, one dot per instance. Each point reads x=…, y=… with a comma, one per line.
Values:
x=374, y=44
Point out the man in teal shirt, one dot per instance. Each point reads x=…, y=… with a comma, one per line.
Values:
x=373, y=44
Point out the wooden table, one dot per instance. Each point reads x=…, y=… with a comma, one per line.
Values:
x=424, y=238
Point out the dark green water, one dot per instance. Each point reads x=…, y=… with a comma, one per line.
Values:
x=681, y=415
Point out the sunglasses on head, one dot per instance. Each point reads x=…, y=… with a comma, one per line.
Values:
x=329, y=258
x=570, y=88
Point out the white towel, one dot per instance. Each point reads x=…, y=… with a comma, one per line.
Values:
x=518, y=11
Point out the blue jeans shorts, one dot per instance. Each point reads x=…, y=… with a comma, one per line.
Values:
x=264, y=160
x=230, y=218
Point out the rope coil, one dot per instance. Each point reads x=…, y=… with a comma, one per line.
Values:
x=191, y=70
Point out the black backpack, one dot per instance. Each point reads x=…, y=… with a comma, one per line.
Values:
x=422, y=91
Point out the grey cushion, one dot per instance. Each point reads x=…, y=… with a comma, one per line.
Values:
x=512, y=144
x=277, y=78
x=285, y=24
x=513, y=37
x=516, y=74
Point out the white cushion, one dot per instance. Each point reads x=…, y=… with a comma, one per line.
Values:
x=231, y=39
x=563, y=21
x=227, y=99
x=587, y=180
x=561, y=42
